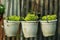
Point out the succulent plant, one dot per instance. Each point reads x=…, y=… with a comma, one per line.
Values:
x=49, y=17
x=31, y=17
x=13, y=18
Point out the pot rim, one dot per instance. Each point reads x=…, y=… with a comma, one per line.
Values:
x=48, y=21
x=29, y=21
x=11, y=21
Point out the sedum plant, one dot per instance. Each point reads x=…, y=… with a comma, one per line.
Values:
x=31, y=17
x=13, y=18
x=49, y=17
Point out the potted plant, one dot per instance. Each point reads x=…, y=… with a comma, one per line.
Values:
x=30, y=25
x=11, y=25
x=48, y=25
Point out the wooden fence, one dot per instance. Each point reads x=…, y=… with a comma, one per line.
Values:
x=41, y=7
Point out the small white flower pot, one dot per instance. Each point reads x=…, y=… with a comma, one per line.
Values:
x=11, y=28
x=29, y=28
x=48, y=28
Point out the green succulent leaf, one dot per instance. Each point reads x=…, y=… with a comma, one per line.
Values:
x=13, y=18
x=49, y=17
x=31, y=17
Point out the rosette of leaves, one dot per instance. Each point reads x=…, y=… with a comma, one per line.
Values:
x=13, y=18
x=31, y=17
x=49, y=17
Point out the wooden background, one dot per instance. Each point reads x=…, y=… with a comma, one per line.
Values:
x=21, y=7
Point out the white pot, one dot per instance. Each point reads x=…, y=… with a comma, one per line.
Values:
x=29, y=28
x=48, y=28
x=11, y=28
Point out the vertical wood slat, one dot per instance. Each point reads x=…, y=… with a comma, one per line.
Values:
x=35, y=38
x=17, y=10
x=13, y=38
x=27, y=6
x=4, y=38
x=32, y=6
x=48, y=7
x=50, y=38
x=18, y=34
x=53, y=6
x=22, y=7
x=3, y=33
x=11, y=3
x=26, y=39
x=8, y=8
x=18, y=38
x=45, y=38
x=41, y=4
x=43, y=9
x=19, y=7
x=57, y=19
x=31, y=39
x=8, y=38
x=21, y=36
x=13, y=6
